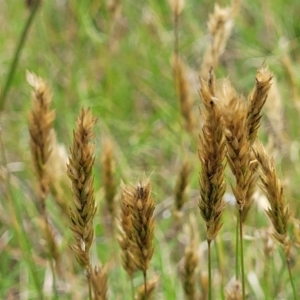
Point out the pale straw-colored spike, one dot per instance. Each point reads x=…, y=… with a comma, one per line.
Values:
x=220, y=25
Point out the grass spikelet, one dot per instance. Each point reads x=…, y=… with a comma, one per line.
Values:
x=278, y=212
x=181, y=186
x=177, y=6
x=148, y=294
x=41, y=120
x=235, y=117
x=125, y=238
x=141, y=205
x=274, y=109
x=234, y=112
x=184, y=95
x=212, y=152
x=256, y=101
x=80, y=171
x=108, y=179
x=99, y=276
x=220, y=25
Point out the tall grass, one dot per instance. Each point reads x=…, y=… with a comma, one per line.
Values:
x=215, y=215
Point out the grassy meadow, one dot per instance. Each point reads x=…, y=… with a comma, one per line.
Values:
x=70, y=223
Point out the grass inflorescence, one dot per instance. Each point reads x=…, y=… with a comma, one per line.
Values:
x=198, y=105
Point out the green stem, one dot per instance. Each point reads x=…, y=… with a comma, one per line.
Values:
x=242, y=254
x=290, y=275
x=145, y=282
x=15, y=213
x=209, y=270
x=17, y=53
x=220, y=258
x=132, y=287
x=88, y=277
x=237, y=263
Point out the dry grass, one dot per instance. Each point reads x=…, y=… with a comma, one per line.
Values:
x=99, y=277
x=278, y=212
x=108, y=179
x=80, y=171
x=148, y=294
x=212, y=151
x=255, y=103
x=181, y=187
x=125, y=239
x=229, y=129
x=220, y=25
x=41, y=120
x=141, y=204
x=184, y=95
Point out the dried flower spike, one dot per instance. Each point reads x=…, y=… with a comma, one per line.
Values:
x=108, y=177
x=41, y=120
x=278, y=212
x=125, y=238
x=80, y=172
x=99, y=278
x=141, y=206
x=212, y=152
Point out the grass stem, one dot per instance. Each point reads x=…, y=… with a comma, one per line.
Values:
x=209, y=270
x=237, y=259
x=291, y=276
x=242, y=254
x=17, y=53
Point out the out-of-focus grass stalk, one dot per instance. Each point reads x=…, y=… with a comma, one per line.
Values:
x=17, y=53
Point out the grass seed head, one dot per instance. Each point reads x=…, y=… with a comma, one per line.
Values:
x=80, y=172
x=212, y=152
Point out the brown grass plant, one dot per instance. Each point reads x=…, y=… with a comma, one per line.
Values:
x=148, y=294
x=278, y=212
x=99, y=277
x=234, y=113
x=41, y=118
x=80, y=171
x=274, y=110
x=176, y=6
x=255, y=103
x=125, y=237
x=108, y=179
x=141, y=204
x=212, y=152
x=220, y=25
x=184, y=95
x=181, y=187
